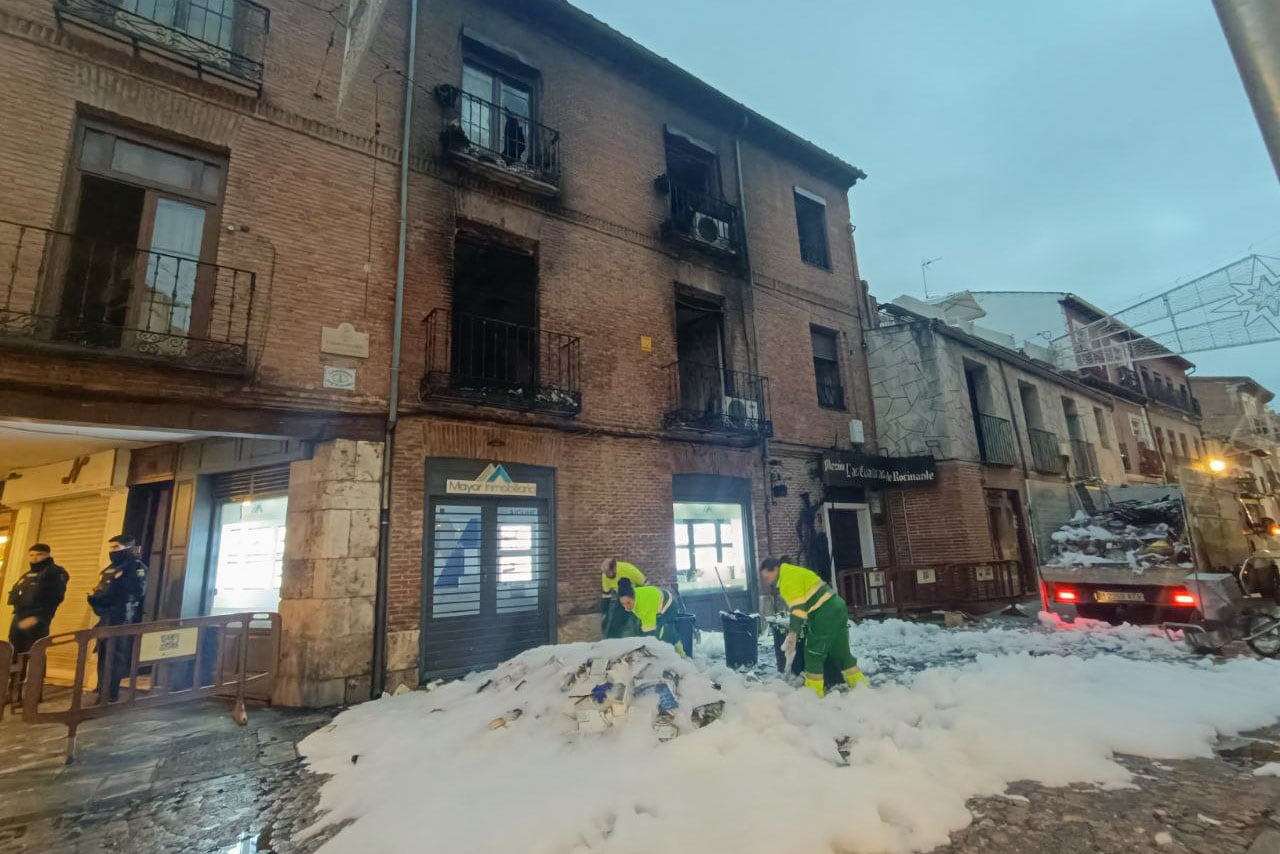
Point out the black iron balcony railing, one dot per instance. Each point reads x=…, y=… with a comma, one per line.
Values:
x=1170, y=396
x=67, y=292
x=1128, y=378
x=502, y=143
x=702, y=220
x=481, y=360
x=1084, y=459
x=226, y=38
x=831, y=395
x=996, y=442
x=712, y=399
x=1045, y=454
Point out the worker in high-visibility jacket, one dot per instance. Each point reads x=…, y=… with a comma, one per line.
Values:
x=823, y=616
x=644, y=610
x=611, y=572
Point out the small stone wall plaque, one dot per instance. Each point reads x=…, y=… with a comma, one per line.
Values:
x=340, y=378
x=344, y=340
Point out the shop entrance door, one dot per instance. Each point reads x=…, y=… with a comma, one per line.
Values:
x=853, y=551
x=488, y=583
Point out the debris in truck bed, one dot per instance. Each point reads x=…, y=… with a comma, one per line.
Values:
x=1138, y=534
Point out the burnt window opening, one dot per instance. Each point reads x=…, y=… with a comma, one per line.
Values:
x=495, y=320
x=811, y=225
x=700, y=353
x=826, y=368
x=692, y=167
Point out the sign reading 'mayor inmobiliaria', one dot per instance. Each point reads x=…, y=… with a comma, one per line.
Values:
x=847, y=469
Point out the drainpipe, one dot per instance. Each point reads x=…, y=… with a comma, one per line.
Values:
x=377, y=680
x=751, y=330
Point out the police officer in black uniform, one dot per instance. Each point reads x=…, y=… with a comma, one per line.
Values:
x=35, y=598
x=117, y=600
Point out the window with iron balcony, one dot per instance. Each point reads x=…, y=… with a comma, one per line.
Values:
x=490, y=122
x=225, y=39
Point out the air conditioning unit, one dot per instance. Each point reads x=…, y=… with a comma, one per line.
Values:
x=741, y=412
x=711, y=231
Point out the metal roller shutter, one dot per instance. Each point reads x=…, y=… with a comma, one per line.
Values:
x=488, y=584
x=75, y=530
x=254, y=483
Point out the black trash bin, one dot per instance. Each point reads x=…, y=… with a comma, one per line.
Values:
x=741, y=639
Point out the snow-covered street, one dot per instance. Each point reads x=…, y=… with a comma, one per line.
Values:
x=954, y=715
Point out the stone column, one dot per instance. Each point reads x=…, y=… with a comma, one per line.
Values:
x=326, y=596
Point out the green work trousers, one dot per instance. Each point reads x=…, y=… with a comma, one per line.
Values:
x=826, y=637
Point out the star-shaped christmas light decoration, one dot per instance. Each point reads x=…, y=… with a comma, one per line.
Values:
x=1259, y=299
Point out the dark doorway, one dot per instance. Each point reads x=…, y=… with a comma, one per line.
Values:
x=495, y=321
x=700, y=351
x=692, y=167
x=146, y=517
x=100, y=267
x=846, y=542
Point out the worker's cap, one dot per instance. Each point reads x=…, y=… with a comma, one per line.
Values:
x=626, y=588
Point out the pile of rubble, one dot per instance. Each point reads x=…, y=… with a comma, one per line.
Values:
x=1139, y=534
x=600, y=691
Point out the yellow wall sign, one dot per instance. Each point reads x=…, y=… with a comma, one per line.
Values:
x=646, y=344
x=173, y=643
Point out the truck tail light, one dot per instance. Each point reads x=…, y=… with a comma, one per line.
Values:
x=1182, y=597
x=1065, y=594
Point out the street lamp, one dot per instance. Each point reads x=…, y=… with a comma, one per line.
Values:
x=1217, y=465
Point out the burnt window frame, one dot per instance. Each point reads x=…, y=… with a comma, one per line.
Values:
x=816, y=208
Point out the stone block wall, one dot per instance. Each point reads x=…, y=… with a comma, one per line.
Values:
x=331, y=557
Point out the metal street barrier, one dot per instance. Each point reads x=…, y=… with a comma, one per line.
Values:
x=10, y=675
x=155, y=664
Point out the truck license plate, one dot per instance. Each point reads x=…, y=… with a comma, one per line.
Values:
x=1119, y=596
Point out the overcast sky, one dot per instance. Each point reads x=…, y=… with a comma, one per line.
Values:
x=1103, y=147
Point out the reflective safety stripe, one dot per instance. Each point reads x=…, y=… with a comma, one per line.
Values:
x=805, y=596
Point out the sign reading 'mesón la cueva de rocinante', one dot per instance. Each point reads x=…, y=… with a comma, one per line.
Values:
x=848, y=469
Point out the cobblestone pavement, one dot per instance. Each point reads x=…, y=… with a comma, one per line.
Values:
x=1201, y=806
x=187, y=779
x=182, y=779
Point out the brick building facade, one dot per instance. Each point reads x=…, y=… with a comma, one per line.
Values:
x=633, y=319
x=189, y=204
x=646, y=230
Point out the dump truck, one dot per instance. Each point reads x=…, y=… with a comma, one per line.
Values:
x=1129, y=561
